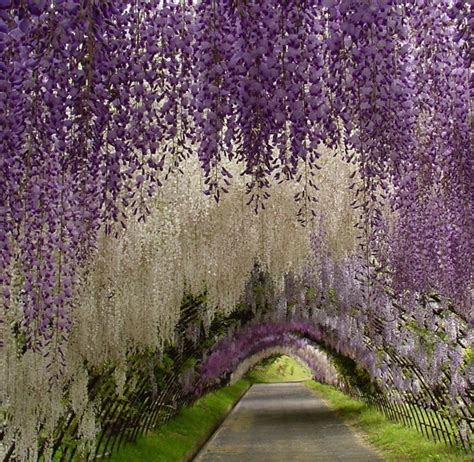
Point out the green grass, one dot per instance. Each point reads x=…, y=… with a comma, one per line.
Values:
x=279, y=369
x=176, y=439
x=395, y=442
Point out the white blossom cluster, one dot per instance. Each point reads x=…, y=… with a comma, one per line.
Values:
x=189, y=245
x=132, y=289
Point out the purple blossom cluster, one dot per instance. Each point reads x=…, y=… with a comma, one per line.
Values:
x=415, y=346
x=100, y=100
x=84, y=89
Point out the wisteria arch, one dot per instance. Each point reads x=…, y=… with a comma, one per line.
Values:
x=308, y=356
x=344, y=124
x=230, y=358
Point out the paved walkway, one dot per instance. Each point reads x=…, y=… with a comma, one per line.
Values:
x=284, y=422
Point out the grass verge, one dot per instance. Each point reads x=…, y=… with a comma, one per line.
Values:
x=188, y=430
x=395, y=442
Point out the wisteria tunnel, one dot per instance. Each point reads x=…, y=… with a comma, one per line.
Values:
x=190, y=186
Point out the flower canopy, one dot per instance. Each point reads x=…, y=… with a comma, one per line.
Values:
x=152, y=150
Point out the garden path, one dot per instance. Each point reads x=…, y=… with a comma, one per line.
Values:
x=284, y=422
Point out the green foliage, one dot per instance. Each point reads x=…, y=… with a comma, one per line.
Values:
x=311, y=293
x=331, y=295
x=467, y=355
x=355, y=375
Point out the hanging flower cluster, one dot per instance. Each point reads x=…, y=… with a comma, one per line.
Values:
x=115, y=116
x=96, y=95
x=421, y=348
x=67, y=69
x=189, y=245
x=431, y=234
